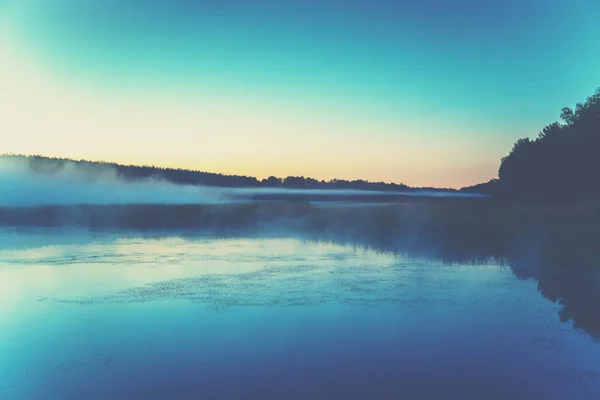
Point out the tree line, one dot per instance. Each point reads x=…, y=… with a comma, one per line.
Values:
x=43, y=164
x=563, y=162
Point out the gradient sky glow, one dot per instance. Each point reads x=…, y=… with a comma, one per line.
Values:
x=428, y=93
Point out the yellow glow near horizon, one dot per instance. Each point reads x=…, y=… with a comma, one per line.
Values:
x=42, y=114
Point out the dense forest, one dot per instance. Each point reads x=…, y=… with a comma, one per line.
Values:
x=42, y=164
x=562, y=162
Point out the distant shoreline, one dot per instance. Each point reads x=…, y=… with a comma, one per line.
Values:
x=51, y=165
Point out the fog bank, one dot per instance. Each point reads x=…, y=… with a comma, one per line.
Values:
x=21, y=186
x=71, y=184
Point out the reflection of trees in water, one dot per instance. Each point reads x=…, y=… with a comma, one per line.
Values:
x=555, y=244
x=573, y=283
x=562, y=254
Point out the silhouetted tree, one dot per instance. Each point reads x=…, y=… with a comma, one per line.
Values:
x=294, y=182
x=562, y=162
x=271, y=181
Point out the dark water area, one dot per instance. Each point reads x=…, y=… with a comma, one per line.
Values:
x=437, y=298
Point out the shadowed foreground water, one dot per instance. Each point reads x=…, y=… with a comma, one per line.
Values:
x=129, y=315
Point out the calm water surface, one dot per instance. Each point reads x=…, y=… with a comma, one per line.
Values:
x=120, y=316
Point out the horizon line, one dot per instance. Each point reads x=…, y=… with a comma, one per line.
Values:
x=114, y=163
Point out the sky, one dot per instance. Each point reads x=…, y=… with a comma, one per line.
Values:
x=425, y=93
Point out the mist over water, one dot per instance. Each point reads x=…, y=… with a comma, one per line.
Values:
x=20, y=186
x=72, y=184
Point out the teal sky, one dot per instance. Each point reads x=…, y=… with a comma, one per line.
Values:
x=426, y=93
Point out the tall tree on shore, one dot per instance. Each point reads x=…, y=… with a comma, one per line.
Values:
x=563, y=161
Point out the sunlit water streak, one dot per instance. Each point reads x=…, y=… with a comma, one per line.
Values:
x=118, y=315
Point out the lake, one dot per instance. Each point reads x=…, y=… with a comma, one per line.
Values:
x=118, y=314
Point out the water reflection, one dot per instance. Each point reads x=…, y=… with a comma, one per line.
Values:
x=416, y=300
x=555, y=244
x=280, y=317
x=167, y=265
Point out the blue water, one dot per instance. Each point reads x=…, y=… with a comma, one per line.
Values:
x=130, y=316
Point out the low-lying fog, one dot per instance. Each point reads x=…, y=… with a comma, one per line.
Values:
x=21, y=186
